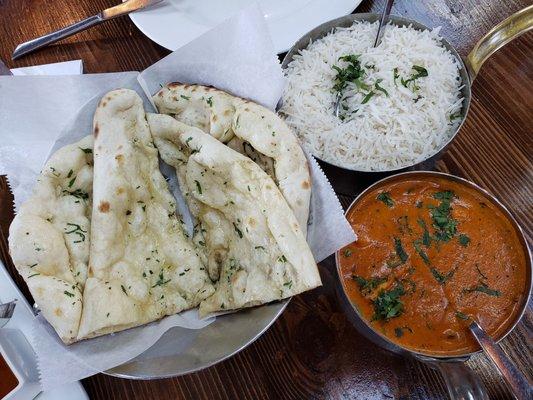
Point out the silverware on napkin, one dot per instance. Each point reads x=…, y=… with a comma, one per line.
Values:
x=107, y=14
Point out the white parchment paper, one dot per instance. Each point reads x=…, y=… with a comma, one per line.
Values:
x=33, y=112
x=237, y=56
x=41, y=114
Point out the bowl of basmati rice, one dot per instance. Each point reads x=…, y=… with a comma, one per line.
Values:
x=402, y=102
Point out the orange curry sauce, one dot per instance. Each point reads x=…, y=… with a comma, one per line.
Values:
x=431, y=254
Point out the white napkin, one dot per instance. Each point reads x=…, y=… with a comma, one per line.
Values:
x=237, y=56
x=33, y=112
x=74, y=67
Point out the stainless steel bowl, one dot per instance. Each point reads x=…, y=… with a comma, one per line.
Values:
x=504, y=32
x=458, y=377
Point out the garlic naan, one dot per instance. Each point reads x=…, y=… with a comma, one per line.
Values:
x=251, y=237
x=249, y=128
x=49, y=237
x=142, y=265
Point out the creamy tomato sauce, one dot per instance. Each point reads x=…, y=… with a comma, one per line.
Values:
x=431, y=255
x=8, y=381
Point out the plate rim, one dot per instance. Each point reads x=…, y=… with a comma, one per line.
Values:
x=144, y=31
x=210, y=364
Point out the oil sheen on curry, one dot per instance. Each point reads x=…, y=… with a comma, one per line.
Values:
x=431, y=255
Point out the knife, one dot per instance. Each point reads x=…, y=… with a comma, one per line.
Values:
x=109, y=13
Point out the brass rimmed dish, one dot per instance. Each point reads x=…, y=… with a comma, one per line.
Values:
x=460, y=380
x=509, y=29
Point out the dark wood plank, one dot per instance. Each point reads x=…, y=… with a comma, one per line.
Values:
x=312, y=351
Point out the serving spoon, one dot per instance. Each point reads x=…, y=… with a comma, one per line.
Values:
x=381, y=27
x=518, y=383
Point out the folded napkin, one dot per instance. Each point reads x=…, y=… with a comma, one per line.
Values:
x=74, y=67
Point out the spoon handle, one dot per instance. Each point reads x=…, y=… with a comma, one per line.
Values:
x=518, y=383
x=383, y=21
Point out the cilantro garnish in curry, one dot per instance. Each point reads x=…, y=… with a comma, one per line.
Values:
x=431, y=255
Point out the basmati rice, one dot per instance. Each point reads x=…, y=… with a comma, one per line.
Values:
x=390, y=131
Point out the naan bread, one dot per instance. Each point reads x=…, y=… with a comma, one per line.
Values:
x=165, y=130
x=49, y=237
x=248, y=128
x=271, y=137
x=204, y=107
x=142, y=265
x=251, y=236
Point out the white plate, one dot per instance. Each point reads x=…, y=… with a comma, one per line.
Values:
x=176, y=22
x=19, y=355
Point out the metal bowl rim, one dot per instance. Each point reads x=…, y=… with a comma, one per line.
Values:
x=205, y=366
x=506, y=212
x=394, y=19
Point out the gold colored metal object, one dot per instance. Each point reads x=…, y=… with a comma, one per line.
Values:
x=507, y=30
x=126, y=8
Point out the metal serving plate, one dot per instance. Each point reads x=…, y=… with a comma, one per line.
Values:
x=181, y=351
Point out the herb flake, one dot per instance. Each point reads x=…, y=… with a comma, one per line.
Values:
x=399, y=330
x=400, y=250
x=388, y=305
x=464, y=240
x=366, y=286
x=198, y=186
x=483, y=288
x=385, y=198
x=442, y=278
x=239, y=232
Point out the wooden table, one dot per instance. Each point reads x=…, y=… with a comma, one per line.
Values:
x=312, y=351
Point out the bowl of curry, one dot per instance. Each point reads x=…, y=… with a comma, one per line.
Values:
x=434, y=251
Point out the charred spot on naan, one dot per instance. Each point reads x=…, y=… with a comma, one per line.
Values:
x=104, y=207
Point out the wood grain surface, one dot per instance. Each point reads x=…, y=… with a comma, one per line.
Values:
x=312, y=351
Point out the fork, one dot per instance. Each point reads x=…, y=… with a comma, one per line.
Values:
x=6, y=312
